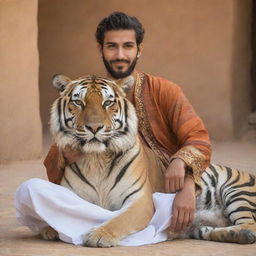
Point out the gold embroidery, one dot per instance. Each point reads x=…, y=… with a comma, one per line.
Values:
x=144, y=125
x=194, y=159
x=189, y=154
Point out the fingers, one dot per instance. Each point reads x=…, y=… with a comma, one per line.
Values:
x=191, y=217
x=182, y=215
x=174, y=176
x=181, y=183
x=183, y=207
x=174, y=219
x=180, y=220
x=173, y=185
x=185, y=222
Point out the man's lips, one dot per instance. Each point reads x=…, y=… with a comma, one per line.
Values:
x=120, y=65
x=120, y=61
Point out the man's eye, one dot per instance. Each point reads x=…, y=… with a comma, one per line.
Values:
x=107, y=103
x=129, y=46
x=111, y=46
x=78, y=103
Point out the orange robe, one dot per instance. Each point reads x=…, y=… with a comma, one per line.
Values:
x=168, y=124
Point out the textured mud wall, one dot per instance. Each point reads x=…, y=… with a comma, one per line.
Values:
x=203, y=45
x=20, y=129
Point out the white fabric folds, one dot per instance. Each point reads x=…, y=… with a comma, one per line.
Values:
x=40, y=203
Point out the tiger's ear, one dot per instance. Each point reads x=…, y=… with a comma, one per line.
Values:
x=125, y=83
x=60, y=82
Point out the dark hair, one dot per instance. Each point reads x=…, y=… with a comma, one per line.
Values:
x=116, y=21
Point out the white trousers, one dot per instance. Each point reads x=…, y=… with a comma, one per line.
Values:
x=40, y=203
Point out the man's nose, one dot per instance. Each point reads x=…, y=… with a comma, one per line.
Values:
x=120, y=53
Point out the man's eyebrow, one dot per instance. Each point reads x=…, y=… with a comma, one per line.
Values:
x=110, y=43
x=113, y=43
x=129, y=42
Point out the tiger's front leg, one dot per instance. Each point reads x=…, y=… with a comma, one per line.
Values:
x=49, y=234
x=132, y=219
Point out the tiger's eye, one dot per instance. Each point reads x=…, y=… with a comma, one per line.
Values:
x=107, y=103
x=78, y=102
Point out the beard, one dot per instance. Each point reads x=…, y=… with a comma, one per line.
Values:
x=120, y=74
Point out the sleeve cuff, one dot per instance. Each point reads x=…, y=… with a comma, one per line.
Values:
x=194, y=160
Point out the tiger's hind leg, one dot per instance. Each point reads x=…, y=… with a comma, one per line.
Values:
x=236, y=194
x=240, y=213
x=242, y=234
x=242, y=229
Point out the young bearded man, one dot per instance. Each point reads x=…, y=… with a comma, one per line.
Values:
x=167, y=121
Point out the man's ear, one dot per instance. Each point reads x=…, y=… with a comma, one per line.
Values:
x=60, y=82
x=140, y=49
x=100, y=50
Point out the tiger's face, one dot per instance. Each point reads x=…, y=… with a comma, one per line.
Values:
x=92, y=114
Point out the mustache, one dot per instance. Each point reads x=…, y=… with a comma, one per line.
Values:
x=119, y=60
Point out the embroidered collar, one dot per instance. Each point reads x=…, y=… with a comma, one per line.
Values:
x=144, y=125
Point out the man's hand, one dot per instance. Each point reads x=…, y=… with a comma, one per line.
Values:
x=183, y=206
x=174, y=176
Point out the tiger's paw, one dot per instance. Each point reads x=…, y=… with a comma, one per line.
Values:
x=245, y=236
x=99, y=237
x=49, y=234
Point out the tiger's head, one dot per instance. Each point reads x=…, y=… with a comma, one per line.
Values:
x=92, y=115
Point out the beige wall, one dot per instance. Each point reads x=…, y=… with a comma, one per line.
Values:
x=203, y=45
x=20, y=129
x=241, y=59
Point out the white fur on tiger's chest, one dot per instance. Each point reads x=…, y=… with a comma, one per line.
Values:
x=90, y=180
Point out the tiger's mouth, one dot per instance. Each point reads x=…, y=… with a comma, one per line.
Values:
x=91, y=141
x=94, y=140
x=92, y=145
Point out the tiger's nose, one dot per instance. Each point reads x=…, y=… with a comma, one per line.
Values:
x=94, y=128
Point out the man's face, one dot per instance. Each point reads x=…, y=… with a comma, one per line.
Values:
x=120, y=52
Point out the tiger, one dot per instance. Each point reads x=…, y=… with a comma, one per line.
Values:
x=118, y=171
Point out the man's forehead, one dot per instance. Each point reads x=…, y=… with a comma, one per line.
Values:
x=120, y=36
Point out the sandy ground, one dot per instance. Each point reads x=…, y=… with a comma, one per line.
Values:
x=20, y=241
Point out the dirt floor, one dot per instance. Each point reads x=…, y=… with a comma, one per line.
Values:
x=16, y=240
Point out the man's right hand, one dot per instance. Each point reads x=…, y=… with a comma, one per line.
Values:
x=174, y=176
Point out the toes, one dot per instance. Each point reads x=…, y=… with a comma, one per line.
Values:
x=99, y=238
x=48, y=233
x=246, y=237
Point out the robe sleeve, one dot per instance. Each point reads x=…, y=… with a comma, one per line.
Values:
x=192, y=136
x=54, y=163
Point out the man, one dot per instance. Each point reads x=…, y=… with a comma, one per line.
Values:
x=167, y=121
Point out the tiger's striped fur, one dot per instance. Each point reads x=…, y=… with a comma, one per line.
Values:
x=226, y=208
x=93, y=115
